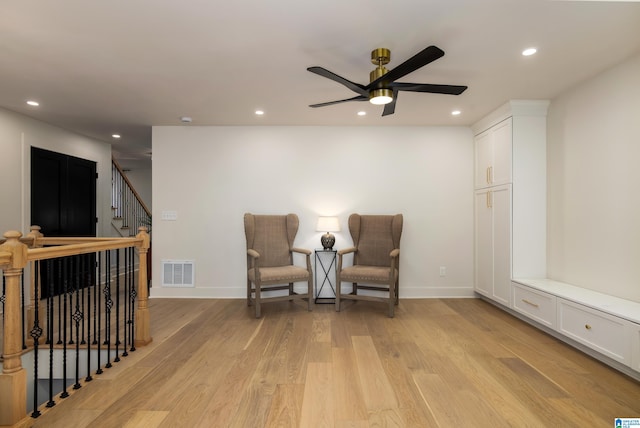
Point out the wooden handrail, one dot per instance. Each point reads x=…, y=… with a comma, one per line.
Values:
x=73, y=246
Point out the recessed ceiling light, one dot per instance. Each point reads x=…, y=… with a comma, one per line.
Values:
x=259, y=112
x=33, y=103
x=362, y=113
x=456, y=113
x=116, y=135
x=529, y=51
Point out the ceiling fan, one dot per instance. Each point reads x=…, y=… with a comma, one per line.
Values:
x=382, y=87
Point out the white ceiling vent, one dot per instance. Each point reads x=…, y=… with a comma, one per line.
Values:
x=177, y=273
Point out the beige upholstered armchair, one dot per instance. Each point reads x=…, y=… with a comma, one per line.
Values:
x=270, y=259
x=376, y=256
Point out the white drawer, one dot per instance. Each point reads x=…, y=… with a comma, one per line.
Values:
x=535, y=304
x=605, y=333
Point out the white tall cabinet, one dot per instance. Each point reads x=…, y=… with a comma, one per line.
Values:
x=510, y=197
x=510, y=243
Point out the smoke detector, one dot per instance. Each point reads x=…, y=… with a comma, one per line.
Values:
x=185, y=119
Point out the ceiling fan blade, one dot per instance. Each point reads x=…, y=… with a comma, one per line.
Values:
x=420, y=59
x=427, y=87
x=355, y=87
x=358, y=98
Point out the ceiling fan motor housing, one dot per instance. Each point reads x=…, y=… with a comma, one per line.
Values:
x=380, y=57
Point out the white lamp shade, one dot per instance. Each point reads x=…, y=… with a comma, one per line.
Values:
x=328, y=224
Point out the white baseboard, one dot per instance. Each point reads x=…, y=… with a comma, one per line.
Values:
x=241, y=293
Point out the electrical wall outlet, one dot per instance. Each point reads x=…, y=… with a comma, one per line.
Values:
x=443, y=271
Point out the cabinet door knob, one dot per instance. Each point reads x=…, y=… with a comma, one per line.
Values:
x=587, y=326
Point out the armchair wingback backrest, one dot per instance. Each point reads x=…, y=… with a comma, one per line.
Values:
x=375, y=236
x=272, y=236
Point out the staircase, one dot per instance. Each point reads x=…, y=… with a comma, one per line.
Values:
x=129, y=211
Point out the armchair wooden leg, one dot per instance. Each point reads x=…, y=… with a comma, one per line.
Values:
x=338, y=291
x=248, y=292
x=310, y=294
x=392, y=299
x=257, y=301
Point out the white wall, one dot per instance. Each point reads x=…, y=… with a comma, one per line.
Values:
x=593, y=183
x=18, y=134
x=212, y=175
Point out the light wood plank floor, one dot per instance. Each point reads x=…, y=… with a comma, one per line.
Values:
x=438, y=363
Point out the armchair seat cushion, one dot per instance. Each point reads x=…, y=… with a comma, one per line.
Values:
x=284, y=274
x=362, y=273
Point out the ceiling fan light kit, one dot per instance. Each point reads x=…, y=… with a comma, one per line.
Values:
x=381, y=96
x=383, y=88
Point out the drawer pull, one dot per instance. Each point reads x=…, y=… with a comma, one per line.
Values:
x=532, y=304
x=587, y=326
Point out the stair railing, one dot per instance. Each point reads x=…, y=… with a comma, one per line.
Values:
x=96, y=310
x=126, y=202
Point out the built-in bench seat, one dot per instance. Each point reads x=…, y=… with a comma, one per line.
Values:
x=604, y=326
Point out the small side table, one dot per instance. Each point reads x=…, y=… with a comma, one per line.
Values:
x=327, y=261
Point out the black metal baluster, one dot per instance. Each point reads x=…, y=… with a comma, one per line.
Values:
x=58, y=286
x=73, y=261
x=97, y=328
x=117, y=359
x=65, y=277
x=84, y=284
x=96, y=302
x=50, y=324
x=36, y=333
x=91, y=281
x=125, y=308
x=132, y=297
x=108, y=304
x=77, y=316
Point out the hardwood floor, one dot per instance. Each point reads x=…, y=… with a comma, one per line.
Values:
x=438, y=363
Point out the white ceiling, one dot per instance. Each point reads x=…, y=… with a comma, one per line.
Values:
x=100, y=67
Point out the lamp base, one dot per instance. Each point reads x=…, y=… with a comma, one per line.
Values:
x=327, y=240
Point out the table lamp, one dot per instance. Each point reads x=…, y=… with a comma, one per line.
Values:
x=328, y=224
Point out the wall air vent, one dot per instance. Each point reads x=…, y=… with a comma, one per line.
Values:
x=177, y=273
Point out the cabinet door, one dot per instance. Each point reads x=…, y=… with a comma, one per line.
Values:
x=493, y=243
x=493, y=155
x=484, y=159
x=483, y=243
x=501, y=213
x=501, y=134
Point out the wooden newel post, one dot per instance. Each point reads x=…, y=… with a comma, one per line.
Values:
x=13, y=379
x=143, y=327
